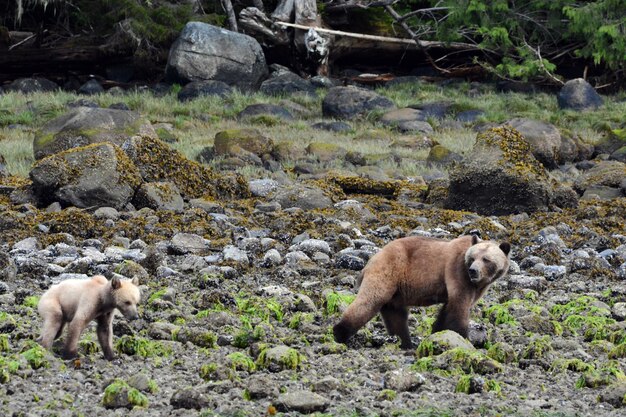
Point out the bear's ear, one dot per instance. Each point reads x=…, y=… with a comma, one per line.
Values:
x=135, y=280
x=116, y=283
x=505, y=247
x=474, y=240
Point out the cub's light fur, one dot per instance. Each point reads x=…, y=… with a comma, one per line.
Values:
x=418, y=271
x=78, y=302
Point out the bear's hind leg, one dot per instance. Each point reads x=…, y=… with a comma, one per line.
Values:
x=368, y=302
x=396, y=319
x=52, y=327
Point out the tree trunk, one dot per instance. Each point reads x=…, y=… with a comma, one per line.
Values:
x=230, y=12
x=283, y=11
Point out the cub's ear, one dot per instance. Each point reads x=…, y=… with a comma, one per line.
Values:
x=505, y=247
x=475, y=240
x=116, y=283
x=135, y=281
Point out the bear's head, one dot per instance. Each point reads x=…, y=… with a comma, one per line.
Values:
x=486, y=261
x=126, y=296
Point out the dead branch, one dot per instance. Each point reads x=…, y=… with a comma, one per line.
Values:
x=227, y=5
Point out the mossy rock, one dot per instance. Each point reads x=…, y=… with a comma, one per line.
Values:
x=326, y=152
x=440, y=342
x=538, y=348
x=459, y=360
x=501, y=176
x=361, y=185
x=196, y=335
x=233, y=141
x=502, y=352
x=287, y=151
x=611, y=142
x=95, y=175
x=278, y=358
x=439, y=154
x=158, y=162
x=85, y=125
x=119, y=394
x=604, y=173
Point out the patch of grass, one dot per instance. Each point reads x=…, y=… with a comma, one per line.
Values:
x=537, y=348
x=31, y=301
x=241, y=362
x=335, y=301
x=134, y=345
x=499, y=314
x=4, y=343
x=134, y=397
x=35, y=356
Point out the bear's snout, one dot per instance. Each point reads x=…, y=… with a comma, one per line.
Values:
x=474, y=273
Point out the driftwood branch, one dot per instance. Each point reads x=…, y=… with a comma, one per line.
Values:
x=417, y=42
x=252, y=20
x=283, y=11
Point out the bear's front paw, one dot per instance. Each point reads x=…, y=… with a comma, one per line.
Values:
x=342, y=333
x=69, y=354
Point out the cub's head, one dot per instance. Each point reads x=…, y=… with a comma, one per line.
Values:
x=126, y=296
x=486, y=261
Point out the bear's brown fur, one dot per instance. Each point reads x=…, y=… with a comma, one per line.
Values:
x=418, y=271
x=78, y=302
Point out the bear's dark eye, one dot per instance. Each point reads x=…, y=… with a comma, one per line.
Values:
x=128, y=303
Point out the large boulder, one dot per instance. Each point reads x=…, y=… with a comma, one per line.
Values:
x=31, y=85
x=196, y=89
x=85, y=125
x=544, y=139
x=349, y=102
x=604, y=173
x=287, y=83
x=158, y=162
x=578, y=94
x=205, y=52
x=234, y=142
x=95, y=175
x=501, y=176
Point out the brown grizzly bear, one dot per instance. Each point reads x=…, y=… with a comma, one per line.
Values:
x=418, y=271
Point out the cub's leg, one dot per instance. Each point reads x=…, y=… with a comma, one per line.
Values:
x=370, y=299
x=396, y=320
x=52, y=326
x=75, y=328
x=454, y=315
x=105, y=335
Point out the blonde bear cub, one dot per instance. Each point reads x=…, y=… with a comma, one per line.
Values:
x=78, y=302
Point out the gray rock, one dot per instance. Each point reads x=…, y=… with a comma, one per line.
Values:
x=401, y=380
x=614, y=394
x=538, y=284
x=28, y=245
x=469, y=116
x=119, y=398
x=304, y=303
x=301, y=196
x=234, y=254
x=271, y=258
x=32, y=85
x=196, y=89
x=8, y=269
x=579, y=95
x=100, y=175
x=349, y=261
x=326, y=384
x=140, y=381
x=349, y=102
x=619, y=311
x=601, y=192
x=184, y=243
x=206, y=205
x=296, y=257
x=254, y=111
x=206, y=52
x=394, y=117
x=477, y=334
x=159, y=196
x=337, y=127
x=287, y=83
x=91, y=87
x=551, y=272
x=263, y=187
x=84, y=126
x=189, y=398
x=260, y=386
x=107, y=213
x=309, y=246
x=302, y=401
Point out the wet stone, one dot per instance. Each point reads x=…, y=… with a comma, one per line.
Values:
x=302, y=401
